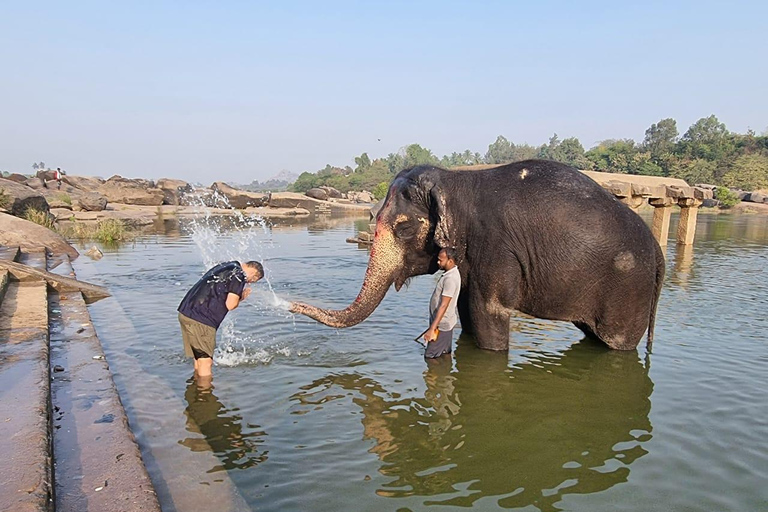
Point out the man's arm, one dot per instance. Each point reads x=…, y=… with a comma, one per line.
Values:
x=233, y=300
x=431, y=335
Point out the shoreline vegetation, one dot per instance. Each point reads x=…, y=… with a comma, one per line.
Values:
x=707, y=153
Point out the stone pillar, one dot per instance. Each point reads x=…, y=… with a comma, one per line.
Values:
x=662, y=211
x=689, y=210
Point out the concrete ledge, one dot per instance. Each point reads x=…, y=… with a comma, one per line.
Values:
x=98, y=463
x=25, y=440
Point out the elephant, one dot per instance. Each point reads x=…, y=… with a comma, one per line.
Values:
x=535, y=236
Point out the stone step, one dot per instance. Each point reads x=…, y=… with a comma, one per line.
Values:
x=6, y=254
x=185, y=470
x=25, y=441
x=98, y=463
x=9, y=253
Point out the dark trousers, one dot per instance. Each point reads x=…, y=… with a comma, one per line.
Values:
x=442, y=345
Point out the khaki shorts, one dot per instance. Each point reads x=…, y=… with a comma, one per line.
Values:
x=199, y=339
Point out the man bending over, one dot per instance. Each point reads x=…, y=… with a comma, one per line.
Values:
x=206, y=304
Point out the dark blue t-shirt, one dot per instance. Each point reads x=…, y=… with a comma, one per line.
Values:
x=206, y=302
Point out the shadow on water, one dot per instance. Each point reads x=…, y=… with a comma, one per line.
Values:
x=524, y=435
x=222, y=431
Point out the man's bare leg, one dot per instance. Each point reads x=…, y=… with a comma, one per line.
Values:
x=204, y=366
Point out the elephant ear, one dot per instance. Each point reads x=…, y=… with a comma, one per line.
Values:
x=445, y=234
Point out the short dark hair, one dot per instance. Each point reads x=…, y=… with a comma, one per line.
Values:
x=450, y=253
x=257, y=266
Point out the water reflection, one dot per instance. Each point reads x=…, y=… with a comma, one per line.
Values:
x=683, y=265
x=526, y=435
x=222, y=430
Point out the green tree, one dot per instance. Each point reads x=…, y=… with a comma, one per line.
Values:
x=363, y=162
x=613, y=155
x=305, y=181
x=380, y=190
x=693, y=171
x=660, y=138
x=395, y=163
x=727, y=198
x=707, y=138
x=500, y=152
x=748, y=172
x=417, y=155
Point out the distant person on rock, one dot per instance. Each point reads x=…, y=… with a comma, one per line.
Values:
x=57, y=177
x=206, y=304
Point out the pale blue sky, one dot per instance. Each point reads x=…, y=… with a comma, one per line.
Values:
x=241, y=90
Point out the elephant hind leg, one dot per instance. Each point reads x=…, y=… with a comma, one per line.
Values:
x=621, y=334
x=586, y=329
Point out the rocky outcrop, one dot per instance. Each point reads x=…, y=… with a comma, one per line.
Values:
x=239, y=198
x=18, y=178
x=83, y=182
x=332, y=192
x=317, y=193
x=173, y=190
x=361, y=197
x=92, y=202
x=16, y=232
x=131, y=191
x=35, y=183
x=47, y=175
x=757, y=196
x=18, y=198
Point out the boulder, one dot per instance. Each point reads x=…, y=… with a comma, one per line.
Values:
x=173, y=190
x=16, y=198
x=92, y=202
x=317, y=193
x=35, y=183
x=83, y=182
x=756, y=197
x=293, y=200
x=237, y=198
x=332, y=192
x=131, y=191
x=15, y=232
x=362, y=197
x=48, y=175
x=94, y=253
x=18, y=178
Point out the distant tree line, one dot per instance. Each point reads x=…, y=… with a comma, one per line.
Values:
x=706, y=153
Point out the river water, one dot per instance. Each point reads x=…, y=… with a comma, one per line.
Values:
x=305, y=417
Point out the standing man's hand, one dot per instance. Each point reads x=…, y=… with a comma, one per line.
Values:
x=246, y=293
x=430, y=335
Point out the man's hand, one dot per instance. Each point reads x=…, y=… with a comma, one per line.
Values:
x=430, y=335
x=245, y=294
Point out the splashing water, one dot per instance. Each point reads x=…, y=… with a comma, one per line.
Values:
x=240, y=238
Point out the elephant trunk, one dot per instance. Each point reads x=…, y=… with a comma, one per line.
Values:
x=386, y=256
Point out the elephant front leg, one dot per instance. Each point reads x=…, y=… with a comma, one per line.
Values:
x=490, y=324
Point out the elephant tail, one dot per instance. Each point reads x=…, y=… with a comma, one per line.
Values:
x=661, y=265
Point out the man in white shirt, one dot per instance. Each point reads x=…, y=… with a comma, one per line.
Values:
x=443, y=311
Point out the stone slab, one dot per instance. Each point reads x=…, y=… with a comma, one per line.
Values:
x=98, y=463
x=25, y=442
